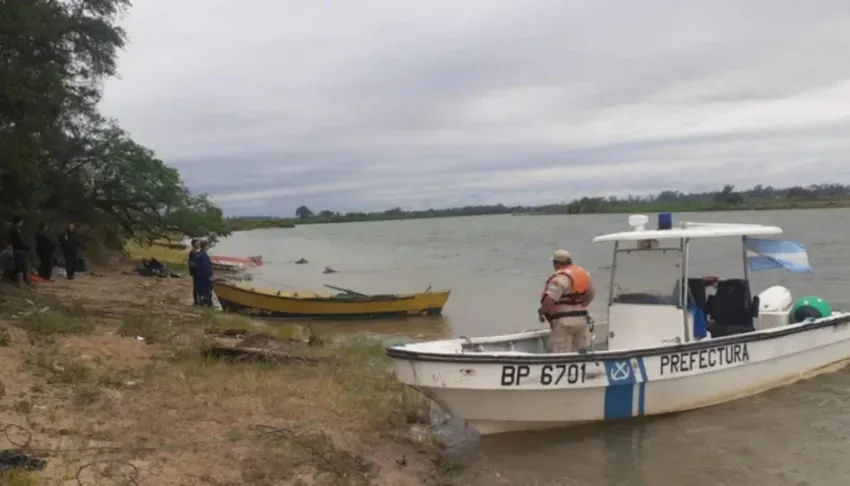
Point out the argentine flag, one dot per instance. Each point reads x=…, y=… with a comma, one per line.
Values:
x=764, y=254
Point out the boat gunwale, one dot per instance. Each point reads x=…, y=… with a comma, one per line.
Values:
x=355, y=300
x=399, y=352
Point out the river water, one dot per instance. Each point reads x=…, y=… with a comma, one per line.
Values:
x=496, y=267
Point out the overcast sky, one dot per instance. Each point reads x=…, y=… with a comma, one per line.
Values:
x=372, y=104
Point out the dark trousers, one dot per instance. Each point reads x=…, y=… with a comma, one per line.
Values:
x=202, y=288
x=45, y=267
x=196, y=296
x=70, y=264
x=22, y=265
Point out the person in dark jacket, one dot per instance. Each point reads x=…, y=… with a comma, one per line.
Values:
x=193, y=262
x=70, y=245
x=20, y=249
x=202, y=278
x=44, y=248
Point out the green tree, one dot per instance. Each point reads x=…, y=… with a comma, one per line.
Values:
x=728, y=195
x=59, y=158
x=303, y=212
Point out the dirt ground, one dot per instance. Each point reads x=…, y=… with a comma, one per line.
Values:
x=107, y=377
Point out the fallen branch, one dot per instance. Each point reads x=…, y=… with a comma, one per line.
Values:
x=240, y=353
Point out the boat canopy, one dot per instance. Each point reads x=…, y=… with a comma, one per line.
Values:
x=692, y=230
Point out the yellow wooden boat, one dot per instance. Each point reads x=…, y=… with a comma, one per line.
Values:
x=241, y=297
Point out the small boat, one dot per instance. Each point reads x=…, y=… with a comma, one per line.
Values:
x=228, y=263
x=668, y=347
x=238, y=297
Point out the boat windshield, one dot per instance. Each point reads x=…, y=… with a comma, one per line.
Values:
x=648, y=276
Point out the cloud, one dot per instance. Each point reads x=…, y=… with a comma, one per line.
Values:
x=368, y=105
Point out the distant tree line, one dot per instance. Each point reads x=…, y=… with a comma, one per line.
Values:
x=724, y=199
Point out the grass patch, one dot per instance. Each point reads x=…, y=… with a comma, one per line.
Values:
x=152, y=328
x=85, y=396
x=300, y=409
x=165, y=253
x=17, y=478
x=282, y=455
x=219, y=322
x=45, y=323
x=56, y=366
x=5, y=337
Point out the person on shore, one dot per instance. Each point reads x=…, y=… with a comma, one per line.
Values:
x=20, y=250
x=202, y=278
x=193, y=263
x=69, y=242
x=568, y=292
x=44, y=248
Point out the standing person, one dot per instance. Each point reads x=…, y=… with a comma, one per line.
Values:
x=193, y=263
x=20, y=250
x=568, y=292
x=70, y=245
x=203, y=275
x=44, y=248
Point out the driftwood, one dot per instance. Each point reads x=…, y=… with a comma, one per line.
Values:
x=260, y=347
x=246, y=354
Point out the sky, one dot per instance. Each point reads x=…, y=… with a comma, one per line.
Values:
x=358, y=106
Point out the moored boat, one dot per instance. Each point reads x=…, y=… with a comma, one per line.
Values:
x=228, y=263
x=239, y=297
x=669, y=347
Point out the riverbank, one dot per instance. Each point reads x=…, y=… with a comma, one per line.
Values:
x=548, y=210
x=113, y=369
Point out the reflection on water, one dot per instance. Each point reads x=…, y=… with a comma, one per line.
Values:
x=495, y=266
x=603, y=455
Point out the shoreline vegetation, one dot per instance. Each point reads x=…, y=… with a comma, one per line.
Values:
x=727, y=199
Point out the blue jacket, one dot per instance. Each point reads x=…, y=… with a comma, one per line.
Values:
x=193, y=261
x=203, y=266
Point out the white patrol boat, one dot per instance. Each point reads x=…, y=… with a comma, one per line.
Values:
x=669, y=347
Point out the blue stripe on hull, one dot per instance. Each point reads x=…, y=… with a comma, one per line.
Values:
x=642, y=390
x=620, y=392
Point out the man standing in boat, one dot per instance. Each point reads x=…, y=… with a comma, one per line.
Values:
x=568, y=292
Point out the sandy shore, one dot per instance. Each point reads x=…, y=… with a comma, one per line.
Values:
x=108, y=374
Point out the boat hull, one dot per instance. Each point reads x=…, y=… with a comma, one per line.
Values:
x=235, y=264
x=238, y=298
x=521, y=393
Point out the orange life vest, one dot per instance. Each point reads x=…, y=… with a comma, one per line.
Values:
x=580, y=283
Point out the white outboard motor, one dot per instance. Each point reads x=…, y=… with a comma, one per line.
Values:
x=774, y=306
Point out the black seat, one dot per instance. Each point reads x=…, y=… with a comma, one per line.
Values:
x=731, y=308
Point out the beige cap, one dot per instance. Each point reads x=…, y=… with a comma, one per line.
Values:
x=562, y=256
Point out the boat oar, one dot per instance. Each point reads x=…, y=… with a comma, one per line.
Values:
x=347, y=291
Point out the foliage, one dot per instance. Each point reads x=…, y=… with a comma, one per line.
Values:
x=303, y=212
x=61, y=160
